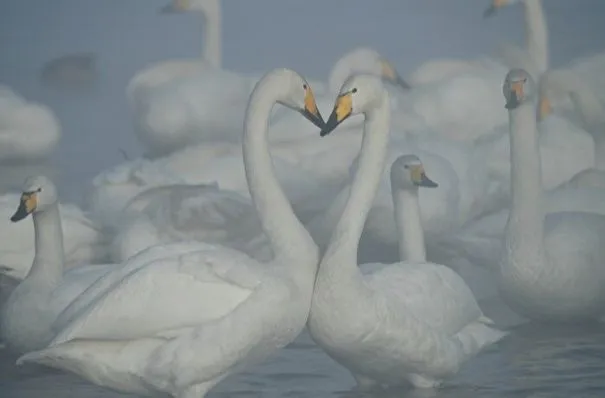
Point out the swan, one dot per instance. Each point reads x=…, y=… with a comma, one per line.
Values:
x=190, y=212
x=32, y=306
x=566, y=83
x=535, y=56
x=232, y=310
x=536, y=276
x=360, y=319
x=29, y=133
x=84, y=243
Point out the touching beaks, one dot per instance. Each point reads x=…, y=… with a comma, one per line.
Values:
x=342, y=110
x=27, y=204
x=310, y=110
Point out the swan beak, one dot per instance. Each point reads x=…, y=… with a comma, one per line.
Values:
x=310, y=111
x=390, y=74
x=495, y=6
x=27, y=205
x=420, y=179
x=342, y=110
x=516, y=95
x=173, y=7
x=544, y=109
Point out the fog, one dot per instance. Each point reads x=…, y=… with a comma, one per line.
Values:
x=308, y=36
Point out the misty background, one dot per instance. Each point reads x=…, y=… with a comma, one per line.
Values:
x=258, y=35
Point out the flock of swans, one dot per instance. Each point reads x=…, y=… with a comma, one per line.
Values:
x=482, y=182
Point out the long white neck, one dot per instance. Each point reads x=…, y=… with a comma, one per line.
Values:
x=536, y=34
x=409, y=225
x=342, y=250
x=47, y=267
x=524, y=232
x=288, y=237
x=212, y=51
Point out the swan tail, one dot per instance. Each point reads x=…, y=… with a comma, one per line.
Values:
x=477, y=336
x=486, y=321
x=110, y=364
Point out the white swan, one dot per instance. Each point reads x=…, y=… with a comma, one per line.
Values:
x=552, y=267
x=190, y=212
x=84, y=243
x=35, y=303
x=378, y=325
x=193, y=319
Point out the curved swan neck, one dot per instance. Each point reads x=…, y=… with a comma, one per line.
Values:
x=287, y=235
x=346, y=235
x=536, y=34
x=48, y=259
x=409, y=225
x=524, y=231
x=212, y=50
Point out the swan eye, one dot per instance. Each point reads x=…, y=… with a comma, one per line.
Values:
x=405, y=166
x=304, y=87
x=39, y=190
x=354, y=90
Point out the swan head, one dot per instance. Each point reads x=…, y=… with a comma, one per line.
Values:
x=518, y=88
x=364, y=60
x=38, y=193
x=296, y=93
x=358, y=95
x=496, y=5
x=179, y=6
x=407, y=172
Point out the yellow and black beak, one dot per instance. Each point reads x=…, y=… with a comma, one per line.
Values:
x=310, y=111
x=420, y=179
x=389, y=73
x=342, y=110
x=495, y=6
x=516, y=94
x=27, y=204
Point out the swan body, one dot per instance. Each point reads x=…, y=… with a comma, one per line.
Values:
x=535, y=275
x=366, y=321
x=28, y=131
x=33, y=305
x=203, y=213
x=232, y=310
x=84, y=243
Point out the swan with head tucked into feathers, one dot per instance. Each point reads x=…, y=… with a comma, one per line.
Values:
x=33, y=305
x=29, y=133
x=377, y=324
x=233, y=311
x=551, y=266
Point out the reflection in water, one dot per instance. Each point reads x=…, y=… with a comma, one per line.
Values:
x=533, y=361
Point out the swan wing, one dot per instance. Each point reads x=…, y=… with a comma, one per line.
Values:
x=432, y=293
x=167, y=294
x=105, y=283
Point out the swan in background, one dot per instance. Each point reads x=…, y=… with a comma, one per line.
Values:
x=410, y=321
x=203, y=213
x=551, y=268
x=84, y=243
x=565, y=83
x=233, y=311
x=534, y=58
x=34, y=304
x=29, y=133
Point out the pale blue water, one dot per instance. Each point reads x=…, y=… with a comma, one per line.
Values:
x=533, y=361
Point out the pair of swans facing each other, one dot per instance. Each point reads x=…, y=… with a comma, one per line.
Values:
x=196, y=298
